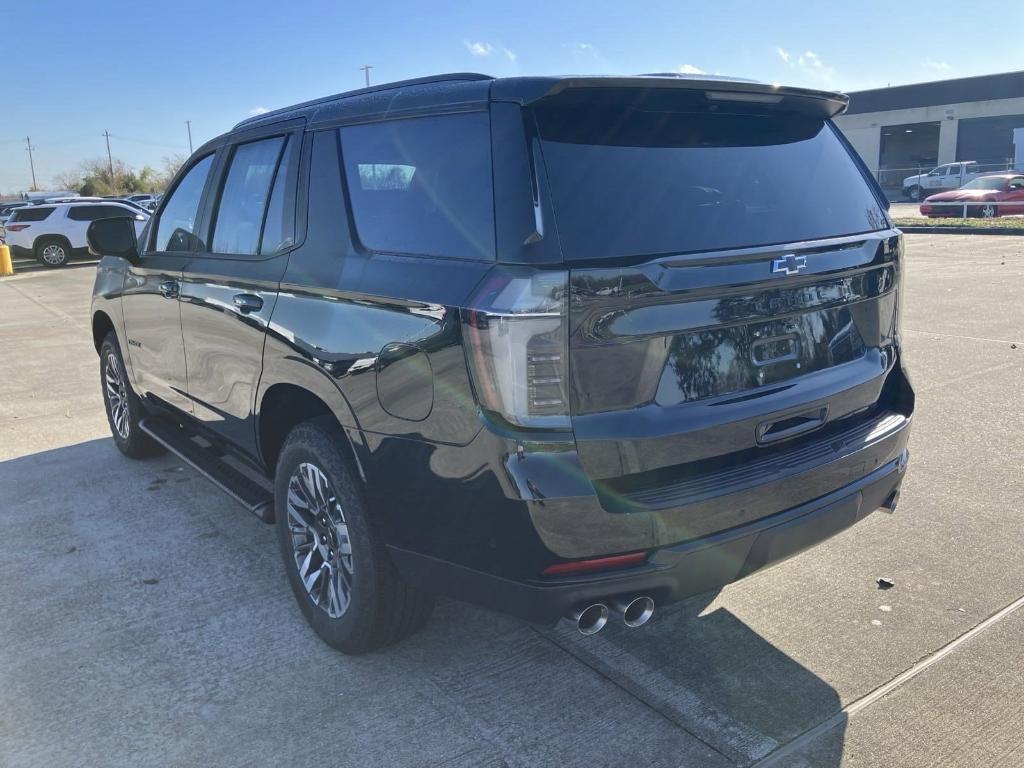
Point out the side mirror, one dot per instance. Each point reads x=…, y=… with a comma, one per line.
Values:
x=113, y=237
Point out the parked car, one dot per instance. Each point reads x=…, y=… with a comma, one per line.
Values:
x=558, y=346
x=986, y=196
x=55, y=233
x=939, y=179
x=6, y=209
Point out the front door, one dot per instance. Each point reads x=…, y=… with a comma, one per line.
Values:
x=228, y=293
x=152, y=317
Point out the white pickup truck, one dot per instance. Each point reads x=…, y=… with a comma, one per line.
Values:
x=941, y=179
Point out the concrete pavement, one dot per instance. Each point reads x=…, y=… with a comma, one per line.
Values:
x=145, y=619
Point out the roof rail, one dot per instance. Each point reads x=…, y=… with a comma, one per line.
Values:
x=453, y=76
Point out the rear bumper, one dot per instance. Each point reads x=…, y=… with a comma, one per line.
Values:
x=670, y=573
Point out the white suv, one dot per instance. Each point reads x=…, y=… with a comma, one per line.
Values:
x=55, y=233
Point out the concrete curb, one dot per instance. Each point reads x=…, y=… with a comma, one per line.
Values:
x=962, y=230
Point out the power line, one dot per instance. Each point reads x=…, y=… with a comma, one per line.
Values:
x=31, y=162
x=147, y=142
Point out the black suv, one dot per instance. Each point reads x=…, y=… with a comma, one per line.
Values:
x=558, y=346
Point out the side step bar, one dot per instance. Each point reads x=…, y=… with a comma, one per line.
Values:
x=211, y=463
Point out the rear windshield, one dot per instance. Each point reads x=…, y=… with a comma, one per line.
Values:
x=30, y=213
x=630, y=182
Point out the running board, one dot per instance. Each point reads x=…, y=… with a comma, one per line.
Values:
x=212, y=464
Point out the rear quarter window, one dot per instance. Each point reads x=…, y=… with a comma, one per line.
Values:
x=31, y=214
x=422, y=186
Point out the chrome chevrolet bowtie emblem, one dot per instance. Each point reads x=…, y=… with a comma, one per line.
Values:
x=789, y=264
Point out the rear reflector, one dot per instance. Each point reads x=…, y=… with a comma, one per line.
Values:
x=595, y=564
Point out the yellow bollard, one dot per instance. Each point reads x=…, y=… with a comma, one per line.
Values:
x=6, y=267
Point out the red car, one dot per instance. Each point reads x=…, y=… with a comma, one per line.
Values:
x=986, y=196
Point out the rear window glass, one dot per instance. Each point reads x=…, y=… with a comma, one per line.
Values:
x=631, y=182
x=422, y=186
x=30, y=213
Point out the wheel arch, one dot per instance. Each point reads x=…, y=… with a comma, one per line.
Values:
x=37, y=243
x=282, y=407
x=101, y=326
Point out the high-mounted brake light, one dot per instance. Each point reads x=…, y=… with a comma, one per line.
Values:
x=755, y=98
x=516, y=344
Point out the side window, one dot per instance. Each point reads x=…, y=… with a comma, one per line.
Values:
x=81, y=213
x=279, y=228
x=243, y=200
x=954, y=170
x=111, y=211
x=176, y=229
x=422, y=185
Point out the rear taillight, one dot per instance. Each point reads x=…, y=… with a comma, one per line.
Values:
x=516, y=343
x=16, y=227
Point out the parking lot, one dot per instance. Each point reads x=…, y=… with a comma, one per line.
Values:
x=145, y=618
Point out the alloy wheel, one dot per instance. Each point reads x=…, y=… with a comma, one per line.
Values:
x=117, y=395
x=54, y=254
x=321, y=546
x=988, y=211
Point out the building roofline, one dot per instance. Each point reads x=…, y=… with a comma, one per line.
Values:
x=934, y=93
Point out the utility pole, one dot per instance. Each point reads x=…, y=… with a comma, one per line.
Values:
x=188, y=124
x=31, y=163
x=366, y=71
x=110, y=160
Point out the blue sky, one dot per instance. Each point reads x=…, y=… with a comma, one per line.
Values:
x=141, y=69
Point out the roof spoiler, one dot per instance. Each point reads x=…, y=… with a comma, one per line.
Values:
x=825, y=104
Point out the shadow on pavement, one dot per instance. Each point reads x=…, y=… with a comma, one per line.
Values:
x=149, y=615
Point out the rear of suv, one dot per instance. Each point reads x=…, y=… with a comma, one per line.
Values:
x=560, y=347
x=55, y=233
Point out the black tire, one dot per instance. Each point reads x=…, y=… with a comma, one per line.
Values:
x=914, y=193
x=52, y=251
x=123, y=420
x=382, y=608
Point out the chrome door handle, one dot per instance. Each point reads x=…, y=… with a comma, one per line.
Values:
x=247, y=302
x=169, y=289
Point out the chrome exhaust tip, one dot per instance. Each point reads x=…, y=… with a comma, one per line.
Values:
x=635, y=611
x=590, y=619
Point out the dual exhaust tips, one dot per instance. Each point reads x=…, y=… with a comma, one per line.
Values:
x=635, y=612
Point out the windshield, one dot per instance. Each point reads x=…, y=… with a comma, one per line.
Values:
x=628, y=181
x=991, y=182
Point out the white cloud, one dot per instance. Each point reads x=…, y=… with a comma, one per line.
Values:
x=937, y=66
x=689, y=69
x=258, y=111
x=510, y=55
x=479, y=48
x=810, y=65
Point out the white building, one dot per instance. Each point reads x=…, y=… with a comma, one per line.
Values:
x=900, y=129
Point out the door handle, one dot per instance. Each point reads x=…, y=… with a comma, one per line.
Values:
x=169, y=289
x=248, y=302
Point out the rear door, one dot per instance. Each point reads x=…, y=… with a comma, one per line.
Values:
x=152, y=285
x=732, y=281
x=228, y=292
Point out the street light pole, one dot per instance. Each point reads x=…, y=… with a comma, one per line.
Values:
x=188, y=124
x=366, y=71
x=31, y=162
